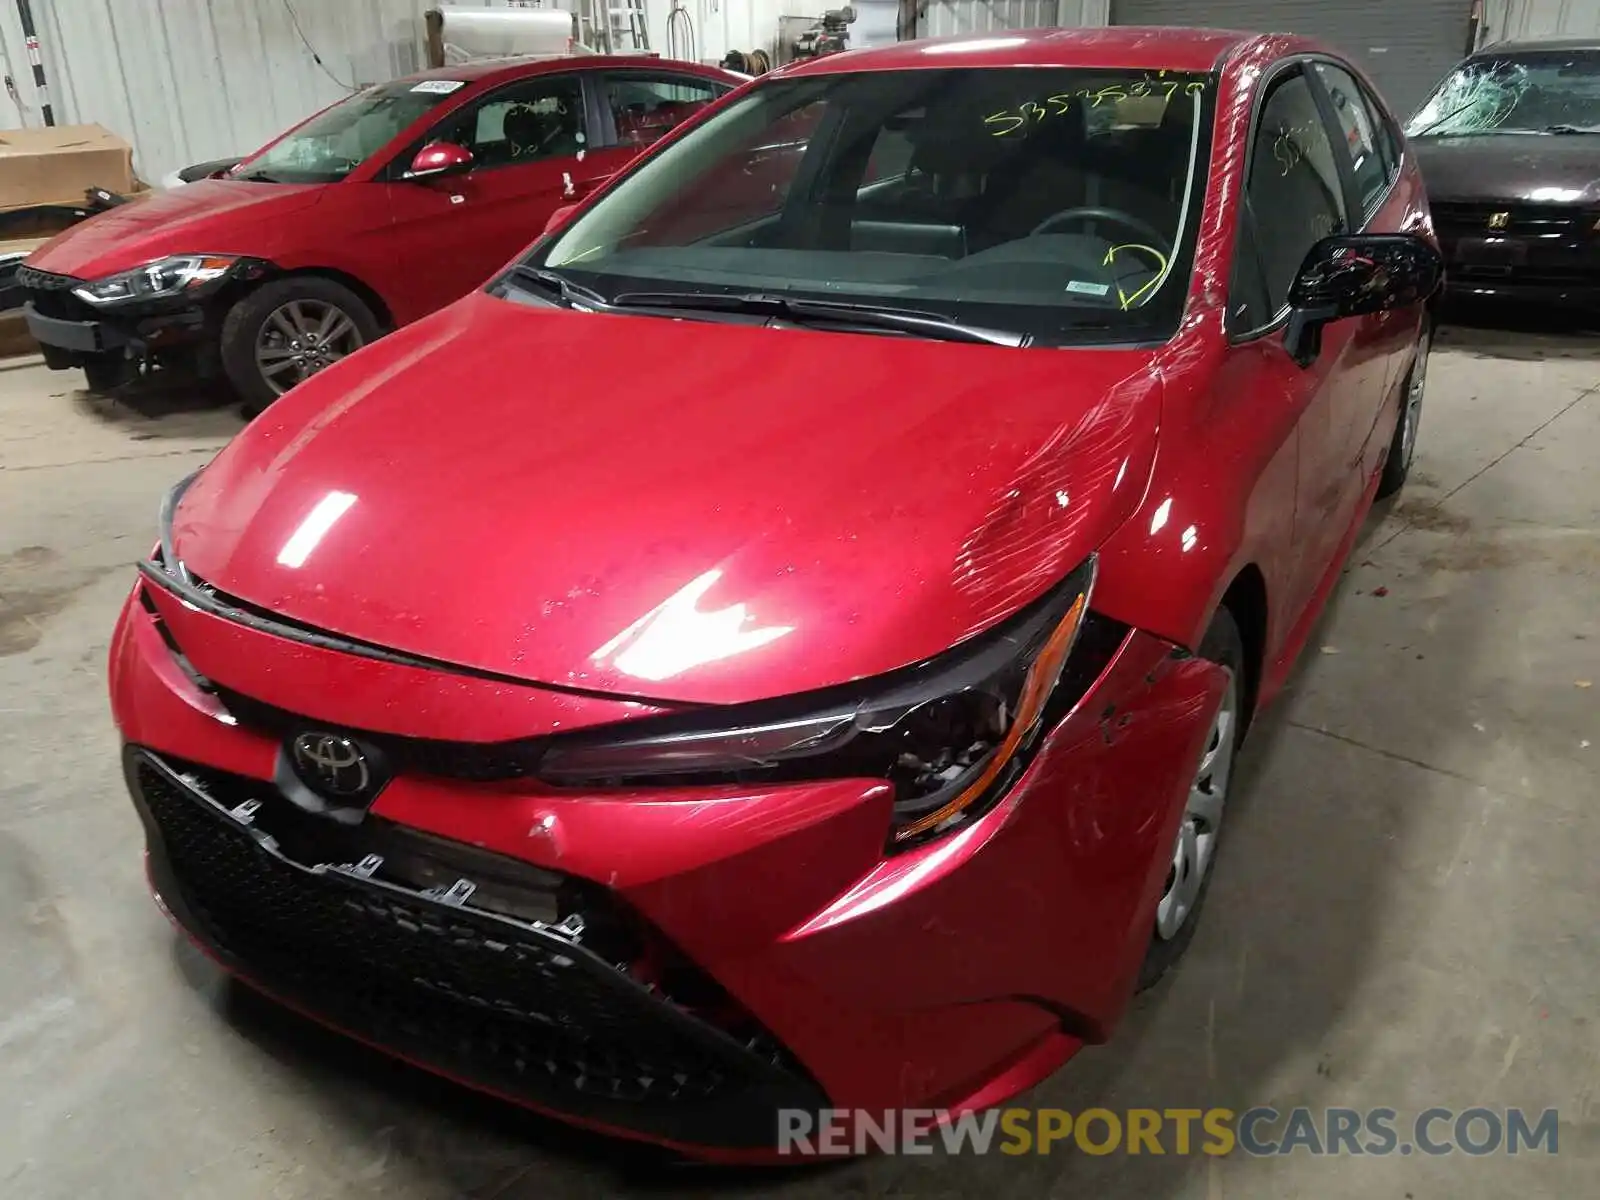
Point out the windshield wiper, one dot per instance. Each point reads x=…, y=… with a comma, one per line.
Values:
x=826, y=312
x=1571, y=129
x=1428, y=129
x=564, y=288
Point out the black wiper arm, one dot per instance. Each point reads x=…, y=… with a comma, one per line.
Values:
x=553, y=281
x=1566, y=128
x=826, y=312
x=1447, y=118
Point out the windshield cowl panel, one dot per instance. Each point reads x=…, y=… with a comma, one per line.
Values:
x=1042, y=206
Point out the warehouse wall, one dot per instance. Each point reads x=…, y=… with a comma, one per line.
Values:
x=188, y=80
x=1505, y=20
x=946, y=17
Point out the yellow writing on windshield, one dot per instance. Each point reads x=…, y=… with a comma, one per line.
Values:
x=1011, y=120
x=1129, y=299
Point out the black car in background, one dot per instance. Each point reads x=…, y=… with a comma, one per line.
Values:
x=1509, y=146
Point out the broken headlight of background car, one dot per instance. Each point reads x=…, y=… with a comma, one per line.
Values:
x=951, y=734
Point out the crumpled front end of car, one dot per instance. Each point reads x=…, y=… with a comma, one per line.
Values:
x=670, y=961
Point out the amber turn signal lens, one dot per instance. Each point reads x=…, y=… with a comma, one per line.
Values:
x=1041, y=681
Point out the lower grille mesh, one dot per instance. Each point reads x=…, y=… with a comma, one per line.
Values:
x=511, y=1008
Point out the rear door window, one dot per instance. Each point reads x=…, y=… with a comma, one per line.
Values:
x=645, y=107
x=1361, y=130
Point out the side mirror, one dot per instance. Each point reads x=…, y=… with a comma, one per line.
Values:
x=1355, y=276
x=560, y=217
x=439, y=158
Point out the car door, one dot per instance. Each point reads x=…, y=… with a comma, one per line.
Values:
x=637, y=107
x=529, y=140
x=1364, y=136
x=1294, y=196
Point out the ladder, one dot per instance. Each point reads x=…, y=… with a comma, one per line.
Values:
x=612, y=27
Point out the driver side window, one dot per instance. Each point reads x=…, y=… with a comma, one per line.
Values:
x=537, y=119
x=1295, y=192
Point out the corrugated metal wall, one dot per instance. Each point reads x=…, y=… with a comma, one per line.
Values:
x=1406, y=45
x=945, y=17
x=188, y=80
x=1507, y=20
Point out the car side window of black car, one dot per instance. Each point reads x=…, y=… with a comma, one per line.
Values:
x=1362, y=131
x=1295, y=192
x=524, y=122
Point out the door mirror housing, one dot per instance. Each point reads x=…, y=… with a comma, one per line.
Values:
x=560, y=217
x=1355, y=276
x=439, y=158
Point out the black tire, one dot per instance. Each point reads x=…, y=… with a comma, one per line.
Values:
x=1403, y=445
x=245, y=325
x=106, y=372
x=1224, y=646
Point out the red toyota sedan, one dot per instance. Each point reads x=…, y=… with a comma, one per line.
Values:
x=371, y=214
x=784, y=642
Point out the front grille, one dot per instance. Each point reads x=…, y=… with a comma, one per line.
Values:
x=1487, y=218
x=52, y=295
x=521, y=1008
x=470, y=762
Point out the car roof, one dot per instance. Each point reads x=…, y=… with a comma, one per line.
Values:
x=1536, y=46
x=495, y=70
x=1132, y=47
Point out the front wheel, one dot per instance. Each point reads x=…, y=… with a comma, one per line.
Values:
x=1194, y=850
x=286, y=331
x=1403, y=447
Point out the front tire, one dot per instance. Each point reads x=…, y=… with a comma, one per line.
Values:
x=1403, y=446
x=1194, y=851
x=286, y=331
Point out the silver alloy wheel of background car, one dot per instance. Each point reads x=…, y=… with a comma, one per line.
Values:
x=1196, y=843
x=300, y=338
x=1411, y=418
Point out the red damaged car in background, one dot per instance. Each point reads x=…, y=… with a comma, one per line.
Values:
x=367, y=216
x=785, y=644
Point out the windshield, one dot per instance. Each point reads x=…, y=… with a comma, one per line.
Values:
x=1548, y=92
x=335, y=142
x=1057, y=204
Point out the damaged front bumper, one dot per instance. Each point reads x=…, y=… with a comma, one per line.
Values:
x=73, y=331
x=734, y=953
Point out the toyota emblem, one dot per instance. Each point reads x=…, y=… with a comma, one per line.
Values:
x=334, y=764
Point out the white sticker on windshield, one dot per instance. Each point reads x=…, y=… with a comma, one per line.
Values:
x=442, y=87
x=1088, y=289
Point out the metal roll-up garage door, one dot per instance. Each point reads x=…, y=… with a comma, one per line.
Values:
x=1406, y=46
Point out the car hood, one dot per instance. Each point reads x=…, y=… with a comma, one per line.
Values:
x=213, y=216
x=680, y=510
x=1537, y=168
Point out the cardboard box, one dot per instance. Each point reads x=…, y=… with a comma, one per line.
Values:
x=57, y=165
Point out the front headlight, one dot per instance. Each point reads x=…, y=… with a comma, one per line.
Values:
x=951, y=734
x=158, y=280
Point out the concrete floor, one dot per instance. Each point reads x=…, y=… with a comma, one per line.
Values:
x=1405, y=914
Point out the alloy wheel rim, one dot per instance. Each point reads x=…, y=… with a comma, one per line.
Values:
x=1196, y=844
x=1413, y=414
x=300, y=338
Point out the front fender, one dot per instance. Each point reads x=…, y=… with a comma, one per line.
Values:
x=1221, y=496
